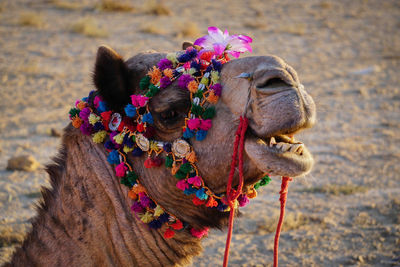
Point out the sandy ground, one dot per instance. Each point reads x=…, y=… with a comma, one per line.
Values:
x=347, y=53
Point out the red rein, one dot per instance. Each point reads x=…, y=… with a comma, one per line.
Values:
x=232, y=194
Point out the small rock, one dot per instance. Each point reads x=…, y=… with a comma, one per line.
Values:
x=23, y=163
x=55, y=132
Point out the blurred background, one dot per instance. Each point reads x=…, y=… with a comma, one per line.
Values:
x=346, y=52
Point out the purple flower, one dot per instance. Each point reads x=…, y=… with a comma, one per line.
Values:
x=184, y=80
x=86, y=128
x=165, y=82
x=221, y=42
x=84, y=114
x=136, y=207
x=164, y=64
x=217, y=88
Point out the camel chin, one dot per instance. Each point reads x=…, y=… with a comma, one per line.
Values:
x=279, y=155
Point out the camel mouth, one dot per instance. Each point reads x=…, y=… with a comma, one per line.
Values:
x=282, y=144
x=279, y=155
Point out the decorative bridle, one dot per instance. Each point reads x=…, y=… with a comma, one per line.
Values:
x=197, y=70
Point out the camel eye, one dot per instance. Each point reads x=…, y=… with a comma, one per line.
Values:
x=274, y=82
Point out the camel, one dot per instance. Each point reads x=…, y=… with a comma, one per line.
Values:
x=85, y=217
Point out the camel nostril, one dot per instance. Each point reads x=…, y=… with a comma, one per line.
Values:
x=272, y=83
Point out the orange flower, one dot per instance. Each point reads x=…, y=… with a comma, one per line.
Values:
x=132, y=195
x=155, y=75
x=192, y=86
x=169, y=73
x=77, y=122
x=81, y=105
x=212, y=98
x=191, y=157
x=138, y=189
x=252, y=193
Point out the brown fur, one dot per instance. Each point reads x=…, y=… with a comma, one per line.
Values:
x=85, y=219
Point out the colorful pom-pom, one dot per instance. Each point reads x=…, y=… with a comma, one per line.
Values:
x=196, y=181
x=193, y=123
x=169, y=233
x=192, y=86
x=164, y=63
x=144, y=82
x=184, y=80
x=102, y=107
x=243, y=200
x=155, y=75
x=201, y=135
x=182, y=185
x=146, y=218
x=99, y=137
x=77, y=122
x=86, y=128
x=188, y=133
x=113, y=157
x=158, y=211
x=201, y=194
x=217, y=89
x=178, y=225
x=121, y=169
x=211, y=202
x=197, y=201
x=148, y=118
x=209, y=113
x=199, y=233
x=205, y=125
x=136, y=207
x=130, y=111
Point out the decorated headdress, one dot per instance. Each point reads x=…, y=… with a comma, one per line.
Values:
x=196, y=69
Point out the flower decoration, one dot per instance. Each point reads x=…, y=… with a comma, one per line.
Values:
x=221, y=42
x=196, y=70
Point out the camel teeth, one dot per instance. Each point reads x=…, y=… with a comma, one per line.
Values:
x=285, y=147
x=261, y=141
x=300, y=149
x=272, y=141
x=294, y=147
x=279, y=145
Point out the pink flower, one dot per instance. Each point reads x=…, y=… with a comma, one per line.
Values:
x=199, y=233
x=194, y=123
x=196, y=181
x=182, y=185
x=205, y=125
x=221, y=42
x=139, y=100
x=121, y=169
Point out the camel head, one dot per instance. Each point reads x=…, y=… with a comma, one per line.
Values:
x=263, y=88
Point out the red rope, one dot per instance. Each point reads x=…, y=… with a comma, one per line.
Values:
x=282, y=198
x=232, y=194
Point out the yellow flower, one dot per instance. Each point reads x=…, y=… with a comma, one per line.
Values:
x=214, y=76
x=119, y=138
x=172, y=57
x=93, y=118
x=127, y=149
x=158, y=211
x=99, y=137
x=204, y=80
x=147, y=217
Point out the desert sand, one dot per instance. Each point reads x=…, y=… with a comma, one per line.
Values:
x=346, y=212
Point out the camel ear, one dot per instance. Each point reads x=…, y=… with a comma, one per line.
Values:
x=185, y=45
x=111, y=78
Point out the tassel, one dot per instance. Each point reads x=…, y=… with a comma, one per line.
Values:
x=169, y=233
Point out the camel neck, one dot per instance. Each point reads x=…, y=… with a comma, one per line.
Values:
x=85, y=219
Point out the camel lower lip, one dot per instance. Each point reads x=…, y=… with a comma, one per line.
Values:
x=282, y=155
